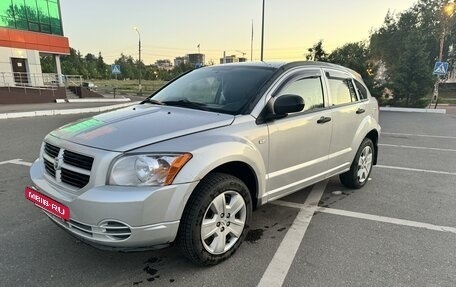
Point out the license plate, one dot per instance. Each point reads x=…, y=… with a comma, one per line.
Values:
x=47, y=203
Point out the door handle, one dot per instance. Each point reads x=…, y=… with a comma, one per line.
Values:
x=323, y=120
x=360, y=111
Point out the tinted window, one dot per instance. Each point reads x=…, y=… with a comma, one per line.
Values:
x=342, y=91
x=222, y=88
x=34, y=15
x=362, y=91
x=309, y=89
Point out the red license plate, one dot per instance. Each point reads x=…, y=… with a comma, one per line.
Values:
x=47, y=203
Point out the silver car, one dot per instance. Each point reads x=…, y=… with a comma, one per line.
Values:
x=190, y=163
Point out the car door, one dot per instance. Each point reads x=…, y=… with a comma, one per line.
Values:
x=299, y=143
x=347, y=112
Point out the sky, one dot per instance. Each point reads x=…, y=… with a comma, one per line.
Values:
x=172, y=28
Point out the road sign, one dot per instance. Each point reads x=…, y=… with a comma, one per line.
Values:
x=115, y=69
x=441, y=68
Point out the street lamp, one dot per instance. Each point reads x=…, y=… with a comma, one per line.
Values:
x=262, y=32
x=447, y=12
x=139, y=63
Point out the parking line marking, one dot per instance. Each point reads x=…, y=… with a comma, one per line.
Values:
x=384, y=219
x=288, y=204
x=7, y=161
x=17, y=161
x=371, y=217
x=283, y=258
x=419, y=147
x=413, y=135
x=415, y=169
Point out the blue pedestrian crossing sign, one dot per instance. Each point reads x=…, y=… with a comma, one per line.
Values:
x=115, y=69
x=441, y=68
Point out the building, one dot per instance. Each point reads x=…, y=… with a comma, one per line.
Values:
x=196, y=59
x=30, y=29
x=164, y=64
x=180, y=61
x=232, y=59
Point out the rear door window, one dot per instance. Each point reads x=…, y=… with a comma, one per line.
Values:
x=341, y=87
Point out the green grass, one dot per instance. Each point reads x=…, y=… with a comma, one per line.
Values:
x=447, y=96
x=127, y=87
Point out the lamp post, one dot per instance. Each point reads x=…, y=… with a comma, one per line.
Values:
x=447, y=12
x=139, y=63
x=262, y=32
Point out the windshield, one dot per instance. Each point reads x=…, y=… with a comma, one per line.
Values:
x=225, y=89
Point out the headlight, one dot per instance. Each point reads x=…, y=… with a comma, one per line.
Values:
x=147, y=169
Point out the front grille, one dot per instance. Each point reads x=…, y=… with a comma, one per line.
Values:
x=51, y=150
x=49, y=166
x=110, y=230
x=78, y=160
x=84, y=228
x=67, y=166
x=116, y=230
x=73, y=178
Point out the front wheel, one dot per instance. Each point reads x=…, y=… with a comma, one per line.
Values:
x=215, y=220
x=361, y=166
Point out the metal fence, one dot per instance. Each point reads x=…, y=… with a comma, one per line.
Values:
x=38, y=80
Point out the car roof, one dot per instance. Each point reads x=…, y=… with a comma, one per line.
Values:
x=290, y=65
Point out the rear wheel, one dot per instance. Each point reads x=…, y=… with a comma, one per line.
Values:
x=361, y=166
x=215, y=220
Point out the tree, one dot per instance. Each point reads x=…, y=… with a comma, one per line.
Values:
x=317, y=53
x=102, y=68
x=356, y=56
x=47, y=64
x=412, y=79
x=408, y=45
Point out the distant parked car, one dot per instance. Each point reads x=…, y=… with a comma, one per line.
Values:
x=89, y=85
x=191, y=162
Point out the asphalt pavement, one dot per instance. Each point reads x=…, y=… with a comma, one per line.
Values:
x=398, y=230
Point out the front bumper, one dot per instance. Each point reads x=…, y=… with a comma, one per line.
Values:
x=118, y=217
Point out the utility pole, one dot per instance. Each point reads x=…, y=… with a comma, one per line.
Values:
x=251, y=45
x=448, y=10
x=139, y=64
x=437, y=82
x=262, y=32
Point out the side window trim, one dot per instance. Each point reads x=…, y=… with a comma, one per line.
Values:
x=340, y=75
x=301, y=75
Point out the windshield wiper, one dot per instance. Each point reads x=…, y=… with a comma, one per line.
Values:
x=186, y=104
x=152, y=101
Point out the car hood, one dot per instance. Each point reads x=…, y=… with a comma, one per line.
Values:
x=138, y=126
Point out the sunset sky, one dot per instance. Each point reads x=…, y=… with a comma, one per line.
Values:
x=175, y=27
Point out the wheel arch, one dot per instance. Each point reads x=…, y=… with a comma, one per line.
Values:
x=244, y=172
x=373, y=136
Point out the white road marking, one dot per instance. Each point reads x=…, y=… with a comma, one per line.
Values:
x=17, y=161
x=419, y=147
x=415, y=169
x=7, y=161
x=371, y=217
x=283, y=258
x=384, y=219
x=413, y=135
x=288, y=204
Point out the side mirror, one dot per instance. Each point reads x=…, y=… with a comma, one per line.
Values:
x=288, y=104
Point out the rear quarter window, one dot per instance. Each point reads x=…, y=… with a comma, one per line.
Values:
x=362, y=91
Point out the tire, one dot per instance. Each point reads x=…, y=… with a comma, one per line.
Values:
x=223, y=203
x=361, y=166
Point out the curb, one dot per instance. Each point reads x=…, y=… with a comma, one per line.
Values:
x=63, y=112
x=413, y=110
x=98, y=100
